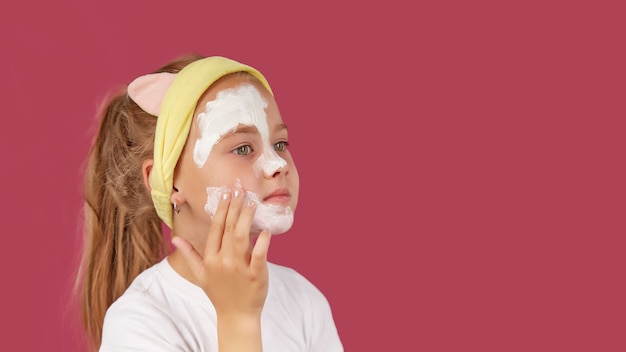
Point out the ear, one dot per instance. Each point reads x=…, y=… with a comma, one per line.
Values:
x=148, y=91
x=177, y=197
x=146, y=168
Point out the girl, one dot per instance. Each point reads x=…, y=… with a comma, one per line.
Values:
x=214, y=167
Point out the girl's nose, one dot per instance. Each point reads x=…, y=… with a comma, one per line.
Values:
x=269, y=164
x=280, y=170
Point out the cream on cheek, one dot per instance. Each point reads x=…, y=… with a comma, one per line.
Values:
x=242, y=105
x=275, y=218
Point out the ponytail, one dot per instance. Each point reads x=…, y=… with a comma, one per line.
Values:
x=123, y=231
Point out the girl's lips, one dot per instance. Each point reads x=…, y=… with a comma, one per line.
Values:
x=280, y=196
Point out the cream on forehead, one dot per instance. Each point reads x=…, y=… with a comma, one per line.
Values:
x=243, y=105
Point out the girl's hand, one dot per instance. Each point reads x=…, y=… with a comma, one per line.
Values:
x=232, y=270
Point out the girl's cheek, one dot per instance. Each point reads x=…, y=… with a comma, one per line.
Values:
x=246, y=182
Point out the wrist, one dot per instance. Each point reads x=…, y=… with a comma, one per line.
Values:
x=239, y=332
x=239, y=321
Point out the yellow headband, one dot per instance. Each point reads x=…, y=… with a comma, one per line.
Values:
x=174, y=121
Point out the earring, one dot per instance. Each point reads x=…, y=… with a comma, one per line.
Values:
x=176, y=208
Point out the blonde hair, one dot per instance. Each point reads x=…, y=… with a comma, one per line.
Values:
x=123, y=232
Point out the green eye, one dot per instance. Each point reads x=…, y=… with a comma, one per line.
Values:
x=281, y=146
x=243, y=150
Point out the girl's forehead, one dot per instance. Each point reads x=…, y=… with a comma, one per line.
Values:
x=237, y=104
x=228, y=84
x=239, y=95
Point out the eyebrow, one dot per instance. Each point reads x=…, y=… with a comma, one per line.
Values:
x=240, y=130
x=247, y=129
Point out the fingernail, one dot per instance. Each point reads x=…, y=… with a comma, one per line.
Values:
x=250, y=204
x=226, y=195
x=237, y=193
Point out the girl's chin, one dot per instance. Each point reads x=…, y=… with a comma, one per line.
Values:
x=276, y=223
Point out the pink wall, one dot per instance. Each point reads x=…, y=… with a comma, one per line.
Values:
x=462, y=166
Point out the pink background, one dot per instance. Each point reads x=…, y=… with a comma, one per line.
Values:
x=462, y=162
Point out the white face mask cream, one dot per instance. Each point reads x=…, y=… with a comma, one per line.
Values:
x=242, y=105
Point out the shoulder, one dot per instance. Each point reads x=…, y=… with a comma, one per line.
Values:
x=290, y=285
x=145, y=290
x=306, y=305
x=142, y=316
x=289, y=279
x=140, y=301
x=156, y=293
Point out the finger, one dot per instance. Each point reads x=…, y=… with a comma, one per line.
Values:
x=216, y=230
x=258, y=259
x=190, y=255
x=232, y=218
x=241, y=237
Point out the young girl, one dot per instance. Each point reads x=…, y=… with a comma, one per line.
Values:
x=200, y=145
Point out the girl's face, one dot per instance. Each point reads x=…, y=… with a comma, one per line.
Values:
x=237, y=139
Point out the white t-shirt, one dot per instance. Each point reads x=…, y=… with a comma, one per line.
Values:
x=162, y=311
